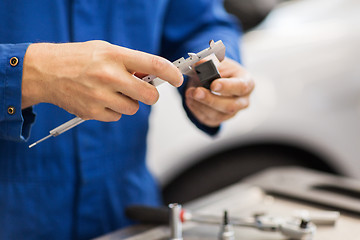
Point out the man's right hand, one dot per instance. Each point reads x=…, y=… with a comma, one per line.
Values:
x=93, y=80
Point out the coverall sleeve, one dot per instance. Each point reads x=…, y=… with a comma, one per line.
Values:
x=15, y=123
x=189, y=26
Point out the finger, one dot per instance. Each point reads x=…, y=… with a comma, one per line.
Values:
x=100, y=100
x=102, y=114
x=110, y=116
x=115, y=101
x=239, y=86
x=136, y=61
x=227, y=105
x=135, y=88
x=205, y=114
x=122, y=104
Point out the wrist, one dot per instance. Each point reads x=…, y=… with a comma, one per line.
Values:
x=32, y=81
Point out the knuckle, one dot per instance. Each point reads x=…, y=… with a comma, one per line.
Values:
x=104, y=73
x=109, y=52
x=102, y=50
x=97, y=96
x=93, y=113
x=97, y=42
x=206, y=98
x=101, y=45
x=158, y=64
x=231, y=107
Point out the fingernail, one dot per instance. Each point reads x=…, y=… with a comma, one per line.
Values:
x=217, y=87
x=200, y=95
x=181, y=80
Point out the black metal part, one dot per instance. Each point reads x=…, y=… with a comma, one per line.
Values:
x=207, y=73
x=304, y=223
x=226, y=218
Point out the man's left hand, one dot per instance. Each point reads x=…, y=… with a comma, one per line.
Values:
x=230, y=95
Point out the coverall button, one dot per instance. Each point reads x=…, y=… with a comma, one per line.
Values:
x=14, y=61
x=11, y=110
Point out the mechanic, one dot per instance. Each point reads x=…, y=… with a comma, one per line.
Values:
x=77, y=185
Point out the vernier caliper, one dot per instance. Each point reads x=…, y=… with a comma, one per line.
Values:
x=184, y=65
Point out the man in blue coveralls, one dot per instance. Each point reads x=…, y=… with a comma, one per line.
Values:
x=77, y=185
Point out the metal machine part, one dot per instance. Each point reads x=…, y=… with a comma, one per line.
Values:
x=226, y=230
x=207, y=73
x=184, y=65
x=175, y=222
x=292, y=228
x=318, y=217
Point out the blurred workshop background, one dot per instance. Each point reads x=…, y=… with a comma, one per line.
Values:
x=305, y=110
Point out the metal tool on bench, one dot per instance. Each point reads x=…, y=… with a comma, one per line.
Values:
x=293, y=228
x=174, y=221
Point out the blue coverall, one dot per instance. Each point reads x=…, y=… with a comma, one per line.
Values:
x=77, y=185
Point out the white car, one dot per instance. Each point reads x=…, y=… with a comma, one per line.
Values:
x=305, y=109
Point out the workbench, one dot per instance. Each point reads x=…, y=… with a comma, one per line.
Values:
x=259, y=194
